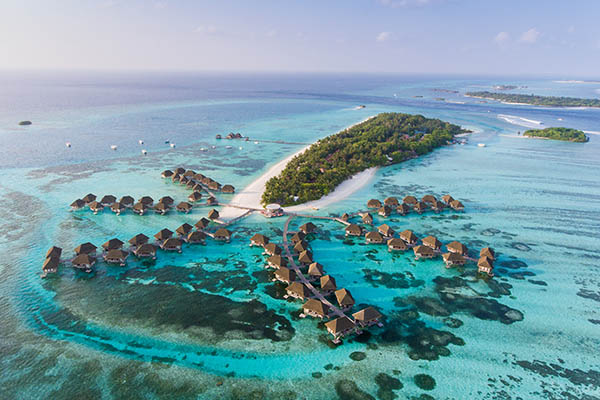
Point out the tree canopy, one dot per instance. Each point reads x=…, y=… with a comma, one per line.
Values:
x=552, y=101
x=565, y=134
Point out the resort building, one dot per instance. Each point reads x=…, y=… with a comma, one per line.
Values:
x=127, y=201
x=487, y=252
x=163, y=235
x=437, y=206
x=117, y=208
x=315, y=271
x=328, y=284
x=228, y=189
x=183, y=180
x=138, y=240
x=386, y=230
x=180, y=170
x=429, y=199
x=485, y=266
x=202, y=223
x=300, y=247
x=409, y=237
x=112, y=244
x=190, y=184
x=315, y=308
x=54, y=252
x=374, y=237
x=298, y=290
x=284, y=274
x=145, y=250
x=453, y=259
x=146, y=200
x=116, y=256
x=276, y=261
x=396, y=244
x=298, y=237
x=420, y=207
x=108, y=200
x=77, y=204
x=161, y=208
x=197, y=187
x=89, y=198
x=195, y=196
x=307, y=228
x=213, y=214
x=184, y=207
x=167, y=201
x=385, y=211
x=457, y=247
x=167, y=173
x=86, y=248
x=273, y=210
x=259, y=240
x=196, y=237
x=344, y=298
x=184, y=230
x=172, y=244
x=198, y=177
x=345, y=217
x=214, y=185
x=353, y=230
x=305, y=258
x=139, y=208
x=367, y=317
x=447, y=199
x=422, y=251
x=373, y=203
x=367, y=218
x=222, y=235
x=403, y=209
x=432, y=242
x=410, y=200
x=176, y=177
x=457, y=205
x=189, y=173
x=340, y=327
x=272, y=249
x=50, y=265
x=391, y=202
x=96, y=207
x=84, y=262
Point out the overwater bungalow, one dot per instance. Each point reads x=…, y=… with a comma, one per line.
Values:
x=315, y=308
x=457, y=247
x=345, y=217
x=353, y=230
x=172, y=244
x=50, y=265
x=328, y=284
x=190, y=184
x=202, y=223
x=373, y=203
x=340, y=327
x=211, y=201
x=184, y=229
x=127, y=201
x=395, y=244
x=176, y=177
x=259, y=240
x=96, y=207
x=196, y=237
x=184, y=179
x=367, y=317
x=228, y=189
x=54, y=252
x=367, y=218
x=139, y=208
x=272, y=210
x=195, y=196
x=422, y=251
x=433, y=242
x=145, y=250
x=167, y=201
x=374, y=237
x=213, y=214
x=385, y=211
x=428, y=198
x=180, y=170
x=305, y=258
x=184, y=207
x=402, y=209
x=344, y=298
x=298, y=237
x=161, y=208
x=189, y=173
x=163, y=235
x=276, y=261
x=222, y=235
x=214, y=185
x=84, y=262
x=409, y=237
x=488, y=252
x=386, y=230
x=113, y=244
x=116, y=256
x=437, y=206
x=272, y=249
x=138, y=240
x=457, y=205
x=453, y=259
x=117, y=208
x=298, y=290
x=198, y=177
x=88, y=198
x=420, y=207
x=284, y=274
x=108, y=200
x=147, y=200
x=167, y=173
x=307, y=228
x=391, y=202
x=86, y=248
x=315, y=271
x=197, y=187
x=447, y=199
x=206, y=180
x=77, y=204
x=300, y=247
x=410, y=200
x=485, y=265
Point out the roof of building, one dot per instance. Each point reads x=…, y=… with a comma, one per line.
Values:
x=487, y=252
x=195, y=196
x=432, y=241
x=277, y=260
x=409, y=200
x=108, y=199
x=259, y=239
x=447, y=198
x=453, y=257
x=339, y=325
x=138, y=239
x=88, y=198
x=163, y=234
x=51, y=263
x=227, y=189
x=308, y=227
x=202, y=223
x=374, y=236
x=328, y=282
x=408, y=236
x=222, y=232
x=146, y=200
x=315, y=269
x=485, y=262
x=83, y=259
x=344, y=297
x=85, y=248
x=391, y=201
x=54, y=252
x=428, y=198
x=127, y=200
x=367, y=314
x=272, y=248
x=298, y=236
x=116, y=254
x=298, y=289
x=184, y=229
x=286, y=274
x=353, y=228
x=112, y=244
x=373, y=203
x=386, y=230
x=457, y=247
x=172, y=243
x=145, y=248
x=196, y=236
x=397, y=244
x=423, y=250
x=78, y=203
x=213, y=214
x=168, y=200
x=316, y=306
x=305, y=257
x=96, y=205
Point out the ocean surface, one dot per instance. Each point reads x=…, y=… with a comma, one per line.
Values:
x=210, y=323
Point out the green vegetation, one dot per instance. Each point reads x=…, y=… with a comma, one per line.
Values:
x=385, y=139
x=566, y=134
x=551, y=101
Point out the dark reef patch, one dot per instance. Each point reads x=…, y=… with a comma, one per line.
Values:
x=424, y=381
x=589, y=294
x=349, y=390
x=387, y=384
x=575, y=376
x=396, y=280
x=358, y=356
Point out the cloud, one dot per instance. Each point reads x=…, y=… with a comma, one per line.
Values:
x=531, y=36
x=501, y=38
x=207, y=30
x=382, y=37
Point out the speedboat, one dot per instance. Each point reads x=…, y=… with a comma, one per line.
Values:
x=144, y=152
x=480, y=144
x=172, y=145
x=140, y=141
x=68, y=144
x=113, y=147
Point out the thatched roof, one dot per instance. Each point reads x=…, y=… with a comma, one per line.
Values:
x=457, y=205
x=345, y=217
x=214, y=185
x=373, y=203
x=213, y=214
x=328, y=283
x=145, y=250
x=315, y=269
x=367, y=218
x=403, y=209
x=391, y=201
x=447, y=198
x=344, y=297
x=54, y=252
x=184, y=206
x=487, y=252
x=453, y=258
x=308, y=227
x=353, y=229
x=428, y=198
x=438, y=205
x=374, y=237
x=285, y=274
x=422, y=250
x=305, y=257
x=301, y=246
x=127, y=200
x=184, y=229
x=140, y=206
x=198, y=176
x=172, y=244
x=340, y=325
x=272, y=248
x=108, y=199
x=83, y=260
x=457, y=247
x=163, y=234
x=95, y=205
x=116, y=255
x=317, y=307
x=202, y=223
x=277, y=260
x=112, y=244
x=366, y=315
x=180, y=170
x=147, y=200
x=196, y=237
x=222, y=233
x=176, y=177
x=161, y=207
x=51, y=264
x=167, y=173
x=408, y=236
x=211, y=200
x=298, y=237
x=189, y=173
x=410, y=200
x=298, y=289
x=420, y=206
x=385, y=230
x=432, y=241
x=485, y=262
x=78, y=203
x=138, y=239
x=228, y=189
x=259, y=239
x=117, y=207
x=197, y=187
x=384, y=211
x=397, y=244
x=88, y=198
x=85, y=248
x=195, y=196
x=167, y=200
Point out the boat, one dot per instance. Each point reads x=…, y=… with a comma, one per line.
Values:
x=113, y=147
x=241, y=147
x=203, y=148
x=144, y=152
x=228, y=147
x=68, y=144
x=140, y=141
x=480, y=144
x=256, y=142
x=214, y=147
x=167, y=141
x=172, y=145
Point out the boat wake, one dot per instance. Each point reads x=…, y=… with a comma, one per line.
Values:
x=520, y=121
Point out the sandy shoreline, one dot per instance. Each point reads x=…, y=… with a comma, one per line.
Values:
x=250, y=196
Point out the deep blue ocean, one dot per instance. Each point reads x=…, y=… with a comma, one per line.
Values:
x=210, y=323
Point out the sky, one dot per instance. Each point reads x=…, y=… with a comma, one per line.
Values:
x=524, y=37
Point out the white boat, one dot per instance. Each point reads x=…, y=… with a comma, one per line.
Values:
x=241, y=147
x=140, y=141
x=256, y=142
x=68, y=144
x=214, y=147
x=203, y=149
x=113, y=147
x=480, y=144
x=144, y=152
x=167, y=141
x=228, y=147
x=560, y=119
x=172, y=145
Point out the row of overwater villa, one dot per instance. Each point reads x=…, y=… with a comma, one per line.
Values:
x=392, y=205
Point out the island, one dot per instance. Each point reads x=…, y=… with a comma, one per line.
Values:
x=25, y=123
x=385, y=139
x=551, y=101
x=564, y=134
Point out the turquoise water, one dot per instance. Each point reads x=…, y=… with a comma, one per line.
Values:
x=209, y=323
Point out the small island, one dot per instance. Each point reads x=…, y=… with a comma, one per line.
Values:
x=550, y=101
x=388, y=138
x=564, y=134
x=25, y=123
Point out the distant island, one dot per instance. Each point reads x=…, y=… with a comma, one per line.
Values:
x=388, y=138
x=564, y=134
x=552, y=101
x=508, y=87
x=25, y=123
